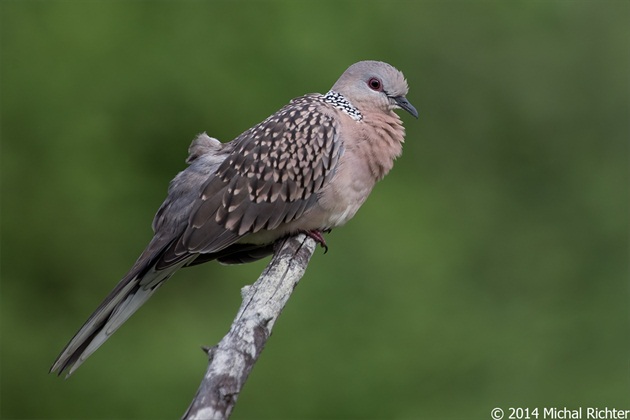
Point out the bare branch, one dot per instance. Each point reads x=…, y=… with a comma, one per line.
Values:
x=233, y=358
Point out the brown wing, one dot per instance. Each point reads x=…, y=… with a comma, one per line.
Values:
x=272, y=176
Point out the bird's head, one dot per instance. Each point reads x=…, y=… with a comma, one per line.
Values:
x=370, y=85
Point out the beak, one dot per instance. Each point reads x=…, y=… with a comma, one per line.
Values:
x=404, y=104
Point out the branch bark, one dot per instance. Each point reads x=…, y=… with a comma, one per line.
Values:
x=233, y=358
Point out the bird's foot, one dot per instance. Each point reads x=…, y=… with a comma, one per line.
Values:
x=317, y=236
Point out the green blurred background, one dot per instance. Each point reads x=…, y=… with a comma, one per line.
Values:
x=489, y=269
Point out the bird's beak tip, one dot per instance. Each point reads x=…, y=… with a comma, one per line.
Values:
x=406, y=105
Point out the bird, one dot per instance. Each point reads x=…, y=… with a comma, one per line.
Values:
x=305, y=169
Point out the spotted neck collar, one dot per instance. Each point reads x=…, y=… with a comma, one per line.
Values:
x=340, y=102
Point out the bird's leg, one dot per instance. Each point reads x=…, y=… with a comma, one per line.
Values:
x=318, y=237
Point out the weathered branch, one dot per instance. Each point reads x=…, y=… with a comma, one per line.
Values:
x=233, y=358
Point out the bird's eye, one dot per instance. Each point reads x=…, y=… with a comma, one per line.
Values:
x=375, y=84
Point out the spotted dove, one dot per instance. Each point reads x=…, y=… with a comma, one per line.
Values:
x=307, y=168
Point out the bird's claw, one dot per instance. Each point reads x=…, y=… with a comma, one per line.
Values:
x=317, y=236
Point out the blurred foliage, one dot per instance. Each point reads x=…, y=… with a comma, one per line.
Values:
x=490, y=268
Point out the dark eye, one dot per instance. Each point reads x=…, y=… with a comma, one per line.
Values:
x=375, y=84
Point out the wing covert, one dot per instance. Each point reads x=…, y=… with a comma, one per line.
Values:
x=272, y=176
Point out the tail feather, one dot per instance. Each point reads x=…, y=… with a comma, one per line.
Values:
x=149, y=272
x=126, y=298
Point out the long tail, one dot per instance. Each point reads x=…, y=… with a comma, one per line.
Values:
x=136, y=288
x=128, y=295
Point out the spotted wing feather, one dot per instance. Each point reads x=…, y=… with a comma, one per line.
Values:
x=272, y=176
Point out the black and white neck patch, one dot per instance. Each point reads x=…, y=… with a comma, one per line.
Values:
x=339, y=101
